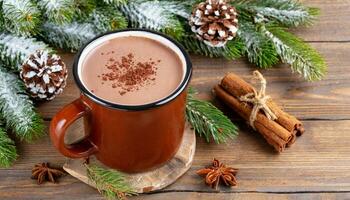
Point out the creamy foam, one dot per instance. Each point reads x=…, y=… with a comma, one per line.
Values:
x=168, y=67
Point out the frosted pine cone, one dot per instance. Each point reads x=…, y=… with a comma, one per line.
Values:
x=44, y=75
x=215, y=22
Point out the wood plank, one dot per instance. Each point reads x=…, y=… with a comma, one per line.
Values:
x=332, y=25
x=242, y=196
x=318, y=162
x=77, y=190
x=39, y=193
x=326, y=99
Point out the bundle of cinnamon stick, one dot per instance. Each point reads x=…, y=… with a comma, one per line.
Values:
x=280, y=133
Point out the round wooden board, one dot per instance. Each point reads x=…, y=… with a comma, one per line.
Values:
x=152, y=180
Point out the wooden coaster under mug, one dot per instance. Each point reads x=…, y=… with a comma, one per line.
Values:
x=156, y=179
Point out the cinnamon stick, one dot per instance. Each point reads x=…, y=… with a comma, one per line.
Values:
x=237, y=87
x=280, y=133
x=274, y=134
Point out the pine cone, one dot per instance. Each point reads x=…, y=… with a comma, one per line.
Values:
x=44, y=75
x=215, y=22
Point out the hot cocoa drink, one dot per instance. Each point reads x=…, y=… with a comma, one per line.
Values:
x=133, y=100
x=132, y=70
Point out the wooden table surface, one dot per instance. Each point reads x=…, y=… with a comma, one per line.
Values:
x=317, y=166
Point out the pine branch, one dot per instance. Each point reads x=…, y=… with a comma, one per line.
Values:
x=107, y=18
x=2, y=19
x=58, y=11
x=115, y=2
x=15, y=49
x=233, y=49
x=17, y=110
x=69, y=36
x=21, y=17
x=178, y=7
x=8, y=152
x=83, y=8
x=290, y=18
x=153, y=15
x=258, y=48
x=208, y=121
x=289, y=13
x=303, y=58
x=110, y=183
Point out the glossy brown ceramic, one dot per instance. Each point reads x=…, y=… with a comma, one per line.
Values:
x=124, y=137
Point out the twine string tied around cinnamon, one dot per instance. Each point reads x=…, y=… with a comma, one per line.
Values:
x=259, y=100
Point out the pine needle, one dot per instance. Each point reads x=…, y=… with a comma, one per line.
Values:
x=58, y=11
x=110, y=183
x=115, y=2
x=301, y=56
x=15, y=49
x=17, y=110
x=288, y=13
x=21, y=17
x=208, y=121
x=69, y=36
x=83, y=8
x=107, y=18
x=177, y=7
x=153, y=15
x=258, y=48
x=8, y=152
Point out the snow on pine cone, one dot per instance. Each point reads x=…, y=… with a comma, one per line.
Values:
x=215, y=22
x=44, y=75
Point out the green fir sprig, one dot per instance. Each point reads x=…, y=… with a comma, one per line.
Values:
x=68, y=36
x=17, y=110
x=8, y=152
x=289, y=13
x=177, y=7
x=107, y=18
x=266, y=46
x=21, y=17
x=208, y=121
x=302, y=57
x=58, y=11
x=257, y=47
x=153, y=15
x=83, y=8
x=15, y=49
x=110, y=183
x=115, y=2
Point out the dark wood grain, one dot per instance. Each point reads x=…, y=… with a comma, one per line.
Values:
x=316, y=167
x=318, y=162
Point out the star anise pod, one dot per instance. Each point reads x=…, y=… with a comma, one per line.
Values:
x=43, y=172
x=218, y=171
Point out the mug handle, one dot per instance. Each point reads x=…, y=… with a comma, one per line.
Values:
x=58, y=127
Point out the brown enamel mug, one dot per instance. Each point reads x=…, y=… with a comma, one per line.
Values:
x=125, y=137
